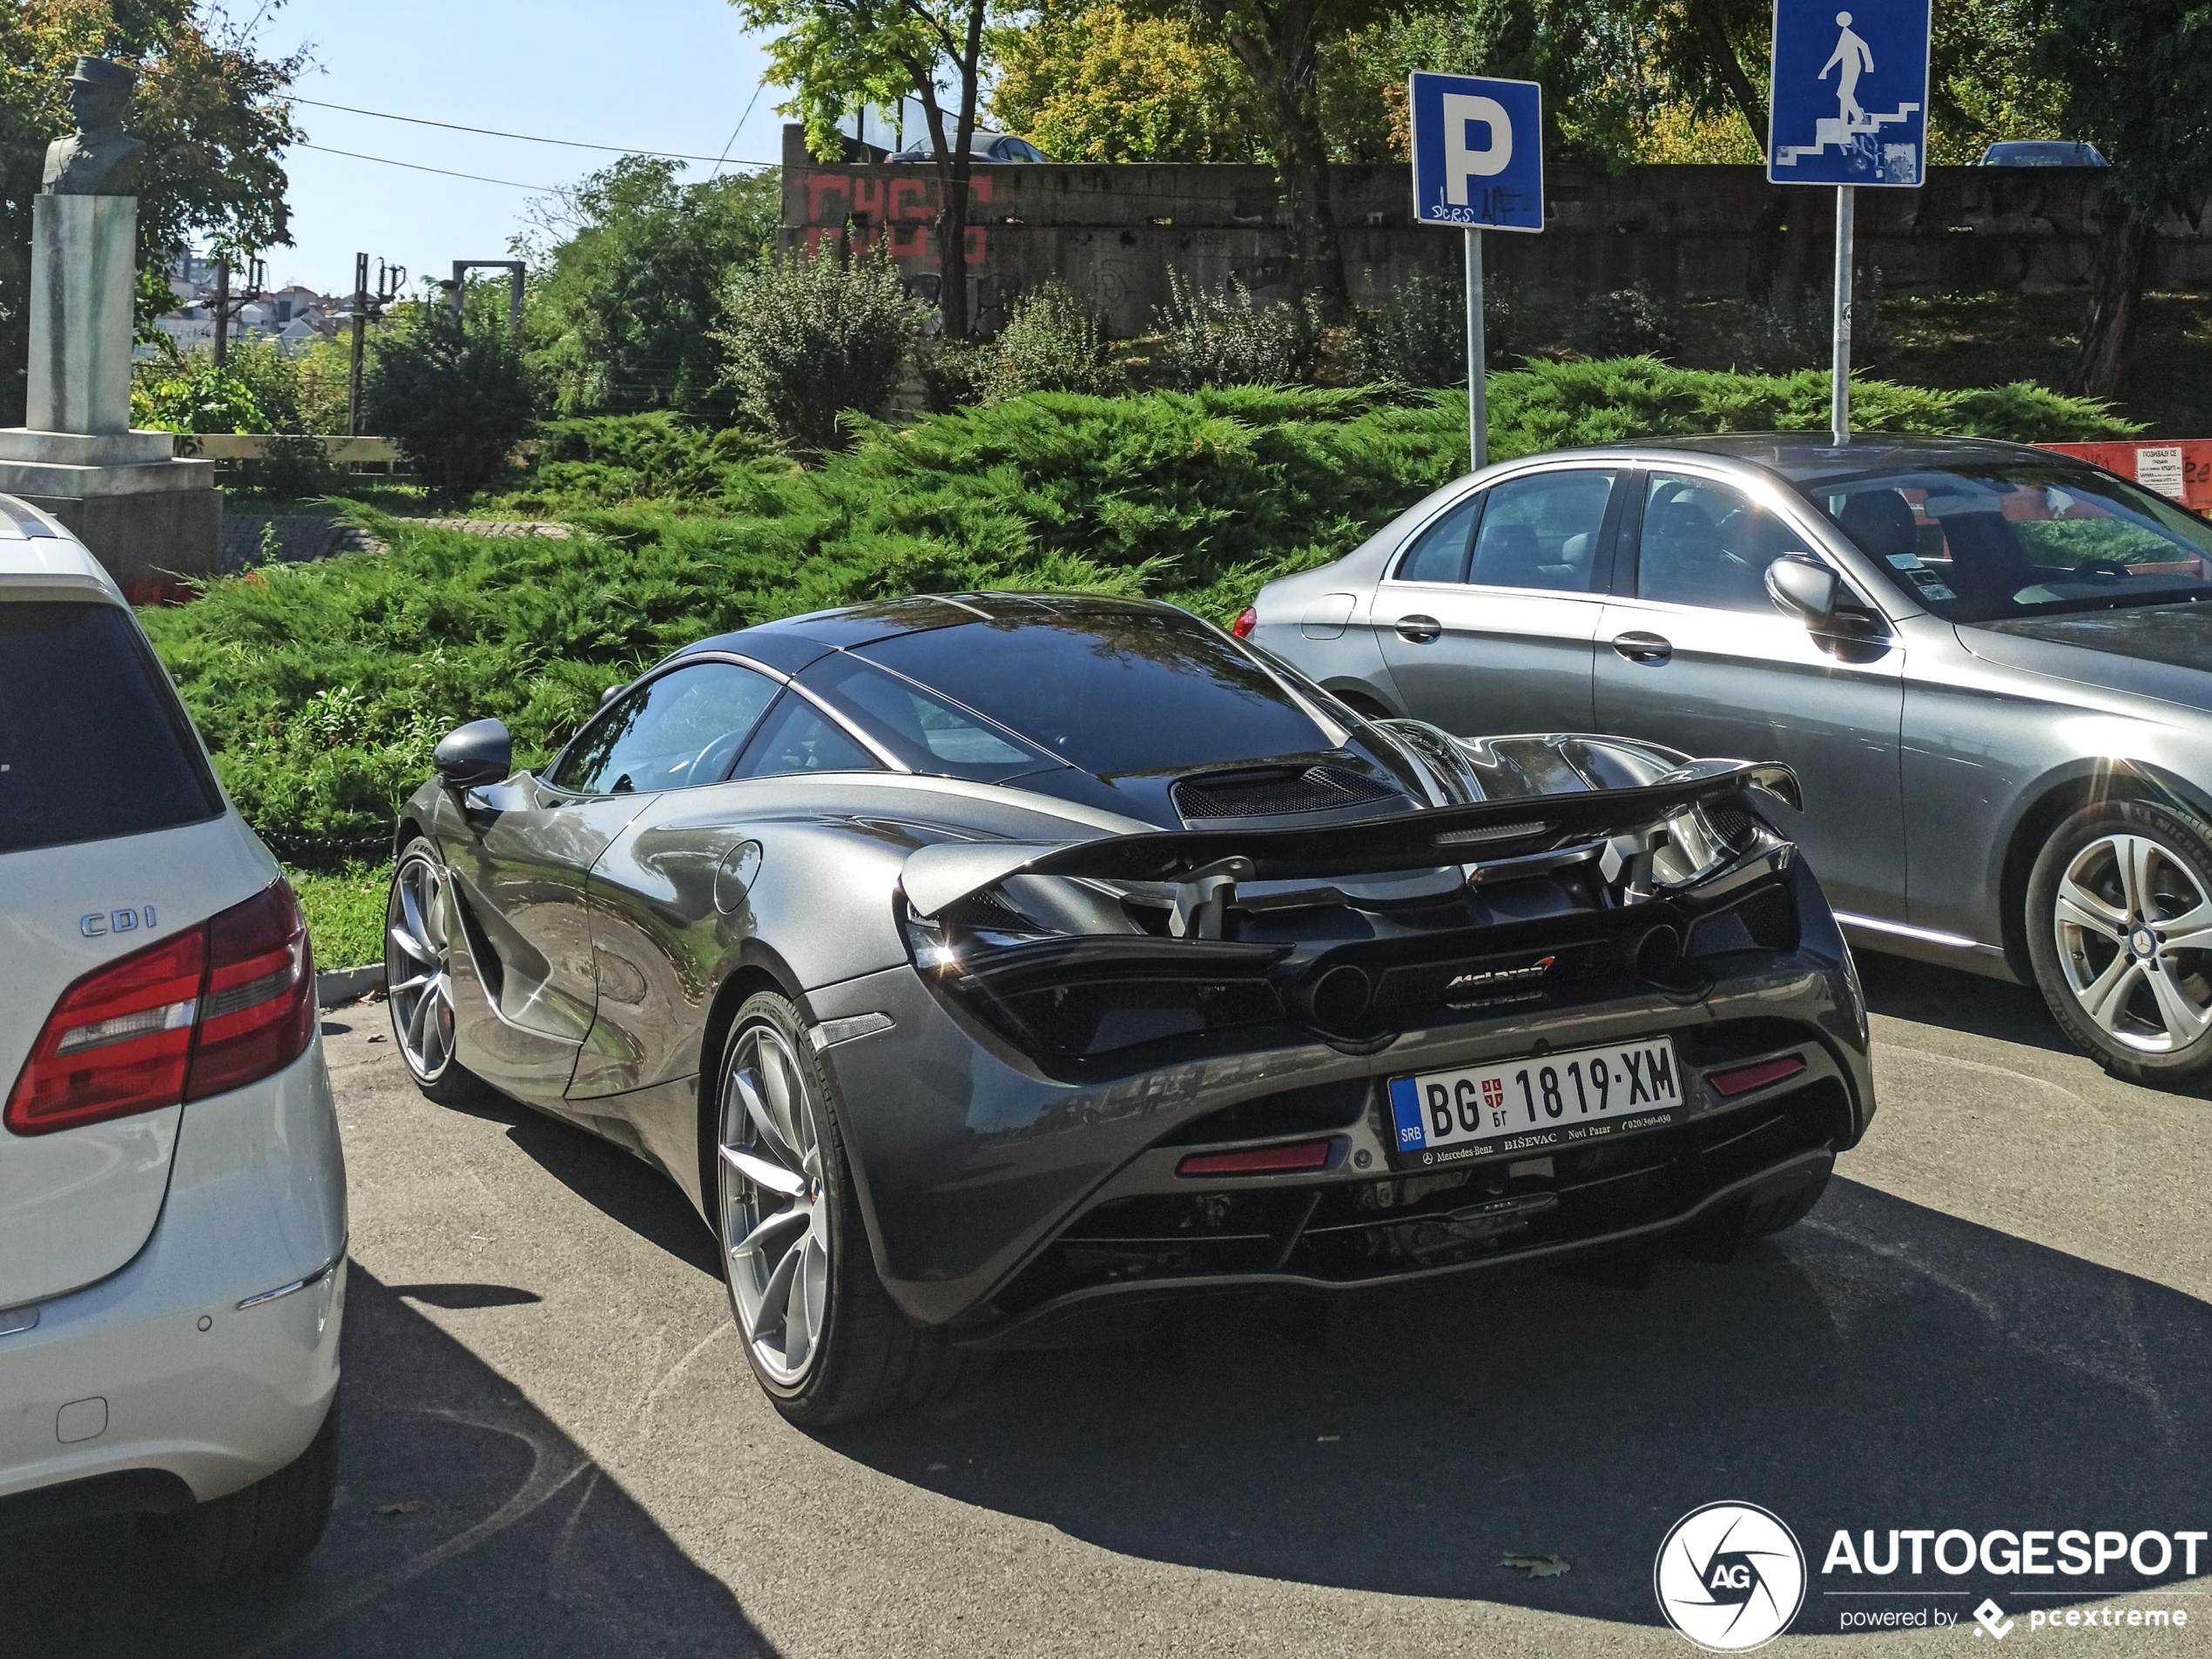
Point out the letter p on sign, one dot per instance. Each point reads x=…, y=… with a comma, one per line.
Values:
x=1464, y=116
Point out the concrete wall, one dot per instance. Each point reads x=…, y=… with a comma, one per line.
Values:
x=1114, y=232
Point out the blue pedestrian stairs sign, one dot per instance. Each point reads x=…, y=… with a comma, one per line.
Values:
x=1851, y=93
x=1478, y=151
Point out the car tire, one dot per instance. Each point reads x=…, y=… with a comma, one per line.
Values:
x=270, y=1524
x=420, y=932
x=823, y=1337
x=2119, y=926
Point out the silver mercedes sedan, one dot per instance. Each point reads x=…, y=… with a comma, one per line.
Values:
x=1990, y=665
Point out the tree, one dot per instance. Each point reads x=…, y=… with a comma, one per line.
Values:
x=841, y=56
x=453, y=392
x=630, y=264
x=809, y=336
x=1094, y=83
x=208, y=105
x=2135, y=80
x=1279, y=44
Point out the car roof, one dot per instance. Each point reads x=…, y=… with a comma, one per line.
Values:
x=37, y=557
x=1809, y=457
x=791, y=643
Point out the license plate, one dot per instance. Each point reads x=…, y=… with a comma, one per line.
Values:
x=1534, y=1103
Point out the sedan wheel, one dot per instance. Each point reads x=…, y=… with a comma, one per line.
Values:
x=775, y=1221
x=824, y=1338
x=418, y=981
x=2120, y=931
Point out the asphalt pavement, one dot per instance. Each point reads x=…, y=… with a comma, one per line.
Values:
x=1997, y=1318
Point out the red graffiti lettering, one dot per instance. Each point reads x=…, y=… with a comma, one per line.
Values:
x=820, y=184
x=910, y=200
x=978, y=244
x=907, y=241
x=867, y=195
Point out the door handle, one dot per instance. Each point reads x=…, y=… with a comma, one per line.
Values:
x=1419, y=629
x=1643, y=648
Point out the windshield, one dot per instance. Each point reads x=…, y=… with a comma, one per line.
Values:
x=2021, y=538
x=1111, y=690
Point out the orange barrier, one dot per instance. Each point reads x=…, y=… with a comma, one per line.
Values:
x=2181, y=469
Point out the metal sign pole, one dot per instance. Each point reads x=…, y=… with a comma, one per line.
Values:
x=1478, y=410
x=1840, y=394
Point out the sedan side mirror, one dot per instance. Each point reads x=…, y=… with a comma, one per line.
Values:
x=471, y=756
x=1807, y=591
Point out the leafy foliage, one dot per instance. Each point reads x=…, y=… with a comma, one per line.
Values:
x=604, y=460
x=1097, y=83
x=1224, y=336
x=453, y=393
x=322, y=687
x=1418, y=336
x=1053, y=342
x=810, y=336
x=188, y=393
x=304, y=392
x=632, y=263
x=1628, y=322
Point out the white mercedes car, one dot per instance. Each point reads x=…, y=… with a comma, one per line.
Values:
x=172, y=1198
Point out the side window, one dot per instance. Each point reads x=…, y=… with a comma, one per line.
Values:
x=680, y=731
x=1439, y=553
x=1542, y=531
x=797, y=737
x=1704, y=543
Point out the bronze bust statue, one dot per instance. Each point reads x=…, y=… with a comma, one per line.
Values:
x=98, y=159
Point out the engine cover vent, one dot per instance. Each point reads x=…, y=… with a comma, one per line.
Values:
x=1274, y=792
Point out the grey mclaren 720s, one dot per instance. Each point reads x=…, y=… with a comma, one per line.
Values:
x=989, y=968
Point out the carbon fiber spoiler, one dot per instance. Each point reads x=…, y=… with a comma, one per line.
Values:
x=943, y=873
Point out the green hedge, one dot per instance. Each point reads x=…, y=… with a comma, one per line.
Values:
x=322, y=687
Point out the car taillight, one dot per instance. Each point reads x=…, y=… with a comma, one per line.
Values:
x=258, y=1012
x=118, y=1042
x=1247, y=619
x=215, y=1008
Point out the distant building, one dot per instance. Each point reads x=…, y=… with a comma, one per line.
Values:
x=294, y=316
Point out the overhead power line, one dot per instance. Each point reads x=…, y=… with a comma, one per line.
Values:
x=416, y=166
x=529, y=138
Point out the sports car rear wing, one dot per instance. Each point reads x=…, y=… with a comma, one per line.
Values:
x=940, y=875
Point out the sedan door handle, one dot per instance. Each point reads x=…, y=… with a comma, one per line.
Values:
x=1419, y=629
x=1643, y=648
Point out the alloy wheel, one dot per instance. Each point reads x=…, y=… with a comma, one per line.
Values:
x=775, y=1216
x=417, y=952
x=2134, y=928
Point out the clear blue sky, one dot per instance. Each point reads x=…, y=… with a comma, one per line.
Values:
x=653, y=74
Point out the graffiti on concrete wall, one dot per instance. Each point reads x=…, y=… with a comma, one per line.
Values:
x=897, y=213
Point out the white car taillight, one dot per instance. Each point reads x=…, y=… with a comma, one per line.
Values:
x=211, y=1009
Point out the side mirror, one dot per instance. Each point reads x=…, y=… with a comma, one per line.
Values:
x=471, y=756
x=611, y=694
x=1807, y=591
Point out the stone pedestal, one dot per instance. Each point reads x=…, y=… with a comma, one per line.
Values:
x=147, y=517
x=84, y=270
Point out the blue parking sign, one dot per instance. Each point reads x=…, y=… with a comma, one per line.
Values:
x=1851, y=93
x=1477, y=152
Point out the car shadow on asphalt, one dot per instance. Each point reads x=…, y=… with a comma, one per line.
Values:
x=612, y=1179
x=1881, y=1365
x=465, y=1523
x=1957, y=1000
